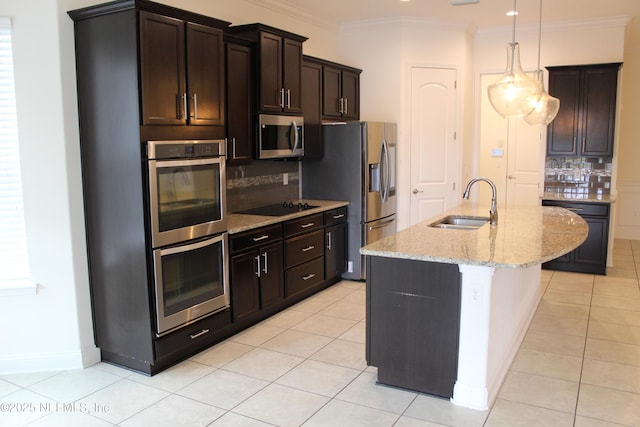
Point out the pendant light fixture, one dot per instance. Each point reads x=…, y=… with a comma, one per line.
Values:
x=515, y=94
x=547, y=107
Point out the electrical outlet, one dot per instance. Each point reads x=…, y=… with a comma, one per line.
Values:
x=349, y=266
x=285, y=179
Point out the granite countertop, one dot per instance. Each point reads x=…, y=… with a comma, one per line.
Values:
x=523, y=237
x=588, y=198
x=237, y=223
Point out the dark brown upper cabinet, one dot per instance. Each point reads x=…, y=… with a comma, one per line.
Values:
x=585, y=123
x=239, y=102
x=279, y=67
x=182, y=72
x=341, y=93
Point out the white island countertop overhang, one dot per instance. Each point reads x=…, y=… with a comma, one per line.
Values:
x=500, y=275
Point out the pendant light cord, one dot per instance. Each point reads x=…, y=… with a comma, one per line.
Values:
x=539, y=34
x=515, y=13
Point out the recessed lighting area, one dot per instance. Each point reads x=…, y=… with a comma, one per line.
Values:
x=512, y=13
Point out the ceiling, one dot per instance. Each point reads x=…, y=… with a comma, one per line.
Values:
x=485, y=13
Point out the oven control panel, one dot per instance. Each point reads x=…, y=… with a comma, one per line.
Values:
x=184, y=149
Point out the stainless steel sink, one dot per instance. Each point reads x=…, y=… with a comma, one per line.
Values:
x=460, y=222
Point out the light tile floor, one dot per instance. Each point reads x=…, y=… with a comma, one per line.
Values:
x=579, y=365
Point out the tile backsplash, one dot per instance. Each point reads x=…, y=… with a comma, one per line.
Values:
x=578, y=175
x=261, y=183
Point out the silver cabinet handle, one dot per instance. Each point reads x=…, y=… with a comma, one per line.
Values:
x=308, y=248
x=308, y=276
x=328, y=240
x=195, y=107
x=257, y=258
x=263, y=237
x=338, y=216
x=199, y=334
x=264, y=267
x=341, y=105
x=574, y=209
x=282, y=98
x=346, y=106
x=307, y=225
x=288, y=98
x=184, y=105
x=416, y=191
x=233, y=141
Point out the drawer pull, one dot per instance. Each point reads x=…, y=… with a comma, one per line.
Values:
x=309, y=276
x=338, y=216
x=307, y=225
x=263, y=237
x=574, y=209
x=328, y=240
x=308, y=248
x=199, y=334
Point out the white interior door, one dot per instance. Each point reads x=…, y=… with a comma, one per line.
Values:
x=510, y=153
x=434, y=149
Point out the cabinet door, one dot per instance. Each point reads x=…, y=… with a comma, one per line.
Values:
x=271, y=95
x=335, y=259
x=271, y=280
x=245, y=290
x=331, y=92
x=205, y=79
x=162, y=70
x=351, y=95
x=598, y=110
x=239, y=99
x=594, y=250
x=292, y=75
x=563, y=131
x=312, y=110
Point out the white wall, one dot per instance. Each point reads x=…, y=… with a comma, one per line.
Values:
x=386, y=50
x=52, y=329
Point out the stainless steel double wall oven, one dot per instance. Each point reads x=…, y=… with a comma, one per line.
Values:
x=186, y=181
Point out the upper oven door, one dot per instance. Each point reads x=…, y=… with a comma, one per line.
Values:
x=280, y=136
x=187, y=199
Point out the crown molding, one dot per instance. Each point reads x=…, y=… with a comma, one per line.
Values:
x=583, y=24
x=411, y=20
x=283, y=8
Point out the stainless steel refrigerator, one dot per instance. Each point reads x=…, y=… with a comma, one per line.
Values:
x=359, y=166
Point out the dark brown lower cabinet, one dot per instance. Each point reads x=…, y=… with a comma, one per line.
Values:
x=256, y=271
x=591, y=256
x=413, y=323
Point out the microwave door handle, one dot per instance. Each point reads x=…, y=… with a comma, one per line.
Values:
x=296, y=137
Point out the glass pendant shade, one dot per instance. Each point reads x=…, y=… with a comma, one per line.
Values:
x=515, y=94
x=545, y=109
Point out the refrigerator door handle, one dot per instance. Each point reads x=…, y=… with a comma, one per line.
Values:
x=387, y=170
x=382, y=224
x=384, y=179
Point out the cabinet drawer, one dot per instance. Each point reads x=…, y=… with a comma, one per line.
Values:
x=335, y=216
x=302, y=225
x=303, y=248
x=197, y=333
x=302, y=277
x=582, y=209
x=259, y=236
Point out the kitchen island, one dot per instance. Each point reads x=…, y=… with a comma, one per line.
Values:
x=448, y=308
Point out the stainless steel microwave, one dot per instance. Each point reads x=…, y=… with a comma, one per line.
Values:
x=280, y=136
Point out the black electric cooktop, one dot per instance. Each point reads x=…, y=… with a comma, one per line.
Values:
x=279, y=209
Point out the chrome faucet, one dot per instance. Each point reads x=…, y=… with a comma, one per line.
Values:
x=493, y=212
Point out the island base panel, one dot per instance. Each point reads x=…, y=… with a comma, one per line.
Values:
x=413, y=312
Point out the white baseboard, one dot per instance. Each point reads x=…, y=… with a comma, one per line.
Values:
x=22, y=363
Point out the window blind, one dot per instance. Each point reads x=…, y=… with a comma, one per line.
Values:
x=14, y=266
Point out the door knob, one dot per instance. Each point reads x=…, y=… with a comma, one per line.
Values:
x=416, y=191
x=511, y=177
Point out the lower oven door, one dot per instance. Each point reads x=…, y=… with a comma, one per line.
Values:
x=191, y=281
